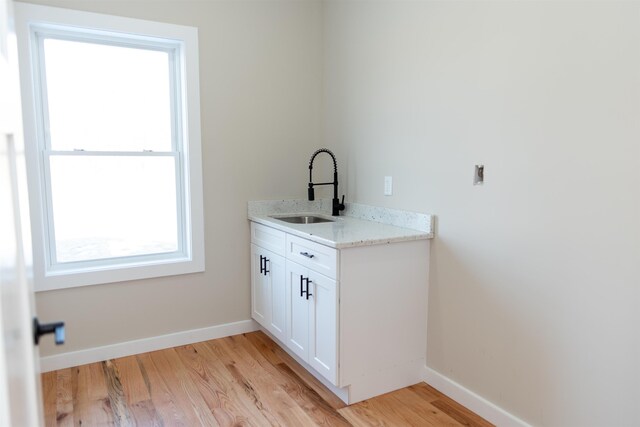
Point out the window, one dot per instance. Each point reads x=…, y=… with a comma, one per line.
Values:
x=112, y=122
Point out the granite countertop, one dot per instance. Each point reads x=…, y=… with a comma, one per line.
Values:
x=359, y=225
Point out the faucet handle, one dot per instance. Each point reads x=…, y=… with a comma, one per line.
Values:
x=341, y=205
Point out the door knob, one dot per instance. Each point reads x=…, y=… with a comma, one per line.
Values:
x=56, y=328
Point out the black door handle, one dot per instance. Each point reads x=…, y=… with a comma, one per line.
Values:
x=301, y=291
x=56, y=328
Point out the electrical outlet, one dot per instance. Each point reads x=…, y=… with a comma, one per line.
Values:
x=478, y=176
x=388, y=186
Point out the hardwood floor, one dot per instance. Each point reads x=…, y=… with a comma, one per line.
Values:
x=243, y=380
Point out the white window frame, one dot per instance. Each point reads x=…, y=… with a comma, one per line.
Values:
x=35, y=23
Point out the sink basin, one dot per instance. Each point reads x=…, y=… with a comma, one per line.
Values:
x=303, y=219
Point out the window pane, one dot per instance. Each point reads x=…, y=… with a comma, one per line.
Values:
x=107, y=98
x=105, y=207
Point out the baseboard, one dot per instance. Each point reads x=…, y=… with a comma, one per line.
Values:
x=128, y=348
x=471, y=400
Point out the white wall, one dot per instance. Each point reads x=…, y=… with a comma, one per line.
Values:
x=534, y=301
x=260, y=80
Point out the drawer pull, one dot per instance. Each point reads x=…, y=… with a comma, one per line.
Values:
x=307, y=254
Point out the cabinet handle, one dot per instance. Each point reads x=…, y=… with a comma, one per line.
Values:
x=263, y=265
x=301, y=291
x=307, y=254
x=308, y=294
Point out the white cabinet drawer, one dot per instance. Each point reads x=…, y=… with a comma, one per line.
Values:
x=315, y=256
x=268, y=238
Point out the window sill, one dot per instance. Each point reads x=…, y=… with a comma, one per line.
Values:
x=71, y=278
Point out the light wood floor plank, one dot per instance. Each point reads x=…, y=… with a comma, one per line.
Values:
x=89, y=406
x=319, y=410
x=118, y=403
x=183, y=390
x=64, y=399
x=273, y=399
x=167, y=409
x=460, y=413
x=333, y=400
x=446, y=405
x=265, y=346
x=229, y=385
x=305, y=397
x=135, y=388
x=426, y=392
x=144, y=414
x=49, y=398
x=214, y=393
x=244, y=380
x=364, y=415
x=430, y=415
x=245, y=386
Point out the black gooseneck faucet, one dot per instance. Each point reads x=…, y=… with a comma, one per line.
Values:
x=337, y=204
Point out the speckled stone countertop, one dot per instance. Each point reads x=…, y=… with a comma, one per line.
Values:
x=358, y=225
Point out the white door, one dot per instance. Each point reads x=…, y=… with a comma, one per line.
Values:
x=323, y=326
x=259, y=287
x=276, y=275
x=20, y=396
x=297, y=306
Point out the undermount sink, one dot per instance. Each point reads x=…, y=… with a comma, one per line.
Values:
x=303, y=219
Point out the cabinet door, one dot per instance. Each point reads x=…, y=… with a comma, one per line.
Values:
x=259, y=288
x=276, y=276
x=297, y=306
x=323, y=334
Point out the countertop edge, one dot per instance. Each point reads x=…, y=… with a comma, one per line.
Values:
x=266, y=220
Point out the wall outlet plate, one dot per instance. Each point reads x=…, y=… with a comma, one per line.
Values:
x=478, y=176
x=388, y=186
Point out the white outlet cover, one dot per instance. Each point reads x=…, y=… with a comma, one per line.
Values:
x=388, y=186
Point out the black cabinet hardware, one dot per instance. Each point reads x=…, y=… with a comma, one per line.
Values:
x=308, y=294
x=56, y=328
x=307, y=254
x=305, y=290
x=263, y=265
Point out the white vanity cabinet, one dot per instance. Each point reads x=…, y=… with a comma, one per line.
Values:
x=354, y=316
x=293, y=301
